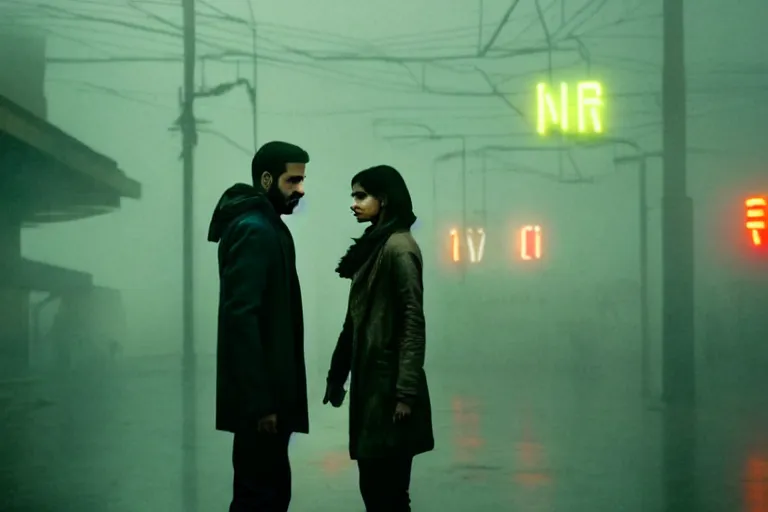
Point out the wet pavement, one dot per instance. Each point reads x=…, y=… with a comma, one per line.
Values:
x=512, y=438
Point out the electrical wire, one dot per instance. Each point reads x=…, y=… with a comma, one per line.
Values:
x=143, y=25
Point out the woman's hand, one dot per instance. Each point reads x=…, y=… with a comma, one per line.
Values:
x=402, y=411
x=334, y=394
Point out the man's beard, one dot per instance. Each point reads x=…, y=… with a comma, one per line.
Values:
x=284, y=205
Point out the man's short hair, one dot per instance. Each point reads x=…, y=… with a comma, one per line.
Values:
x=273, y=156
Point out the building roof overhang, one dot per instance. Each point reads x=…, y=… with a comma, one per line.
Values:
x=51, y=176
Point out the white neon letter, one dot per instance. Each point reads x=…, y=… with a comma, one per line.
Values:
x=476, y=244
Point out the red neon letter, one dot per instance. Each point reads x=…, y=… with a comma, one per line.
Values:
x=530, y=243
x=756, y=218
x=455, y=246
x=756, y=490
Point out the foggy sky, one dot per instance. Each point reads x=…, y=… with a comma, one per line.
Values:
x=592, y=227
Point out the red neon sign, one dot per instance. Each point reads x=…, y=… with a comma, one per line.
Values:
x=756, y=485
x=530, y=243
x=755, y=223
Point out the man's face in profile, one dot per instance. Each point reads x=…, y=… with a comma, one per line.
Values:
x=290, y=188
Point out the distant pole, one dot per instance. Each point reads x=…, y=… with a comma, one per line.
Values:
x=189, y=141
x=562, y=12
x=438, y=239
x=484, y=189
x=255, y=76
x=464, y=183
x=464, y=225
x=255, y=93
x=679, y=379
x=189, y=136
x=645, y=341
x=480, y=27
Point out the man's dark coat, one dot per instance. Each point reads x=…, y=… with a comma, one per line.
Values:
x=382, y=344
x=260, y=359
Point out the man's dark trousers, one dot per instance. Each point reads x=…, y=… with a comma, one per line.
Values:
x=384, y=484
x=262, y=480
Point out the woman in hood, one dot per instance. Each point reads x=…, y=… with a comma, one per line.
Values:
x=382, y=343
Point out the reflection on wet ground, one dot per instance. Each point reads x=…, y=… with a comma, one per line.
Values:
x=508, y=439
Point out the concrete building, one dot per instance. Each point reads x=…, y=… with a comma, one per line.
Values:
x=46, y=176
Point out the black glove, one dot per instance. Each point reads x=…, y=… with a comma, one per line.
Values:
x=334, y=394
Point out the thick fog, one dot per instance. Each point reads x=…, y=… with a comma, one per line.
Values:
x=409, y=84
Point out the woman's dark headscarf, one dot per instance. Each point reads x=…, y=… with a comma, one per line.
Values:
x=384, y=183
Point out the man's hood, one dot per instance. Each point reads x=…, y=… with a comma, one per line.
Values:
x=235, y=201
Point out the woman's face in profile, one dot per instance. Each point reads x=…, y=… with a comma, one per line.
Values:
x=365, y=207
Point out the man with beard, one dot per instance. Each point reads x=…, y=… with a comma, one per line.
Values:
x=261, y=383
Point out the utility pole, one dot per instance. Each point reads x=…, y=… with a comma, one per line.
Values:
x=678, y=339
x=188, y=384
x=678, y=357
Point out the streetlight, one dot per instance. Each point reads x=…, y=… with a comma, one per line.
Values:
x=641, y=157
x=645, y=348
